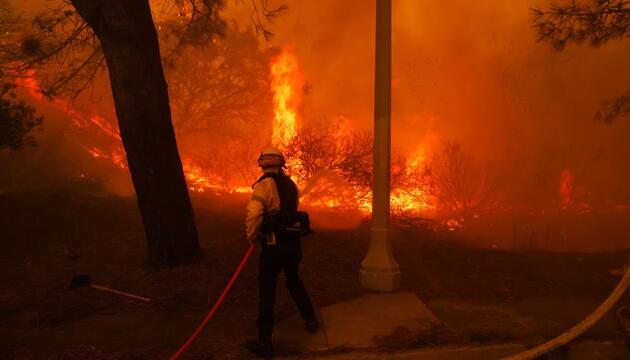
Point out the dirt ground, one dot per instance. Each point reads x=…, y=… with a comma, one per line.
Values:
x=481, y=295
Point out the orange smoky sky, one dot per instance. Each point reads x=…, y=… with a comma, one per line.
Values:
x=464, y=71
x=470, y=70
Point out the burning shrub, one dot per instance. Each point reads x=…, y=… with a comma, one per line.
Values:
x=223, y=169
x=460, y=185
x=333, y=164
x=333, y=147
x=411, y=181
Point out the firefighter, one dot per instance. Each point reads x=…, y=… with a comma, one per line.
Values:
x=275, y=192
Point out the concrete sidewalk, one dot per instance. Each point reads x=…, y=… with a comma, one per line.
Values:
x=362, y=322
x=363, y=327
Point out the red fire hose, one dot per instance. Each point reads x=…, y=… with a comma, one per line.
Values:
x=205, y=321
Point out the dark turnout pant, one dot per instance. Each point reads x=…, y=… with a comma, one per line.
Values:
x=274, y=258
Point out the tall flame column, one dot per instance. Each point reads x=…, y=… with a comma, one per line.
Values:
x=379, y=269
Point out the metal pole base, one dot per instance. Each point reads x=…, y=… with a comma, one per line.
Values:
x=379, y=270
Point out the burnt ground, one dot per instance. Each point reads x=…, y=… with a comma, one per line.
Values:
x=482, y=295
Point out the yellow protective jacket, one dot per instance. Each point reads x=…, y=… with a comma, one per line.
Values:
x=264, y=198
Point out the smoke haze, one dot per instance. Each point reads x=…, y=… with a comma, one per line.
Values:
x=470, y=72
x=465, y=72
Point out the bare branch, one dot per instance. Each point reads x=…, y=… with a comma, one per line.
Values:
x=262, y=15
x=596, y=21
x=197, y=23
x=221, y=88
x=460, y=184
x=615, y=108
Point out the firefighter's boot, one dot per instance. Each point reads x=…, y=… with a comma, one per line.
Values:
x=260, y=347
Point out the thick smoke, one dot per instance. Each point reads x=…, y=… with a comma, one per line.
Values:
x=473, y=73
x=464, y=72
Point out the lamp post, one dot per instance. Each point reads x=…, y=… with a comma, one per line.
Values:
x=379, y=269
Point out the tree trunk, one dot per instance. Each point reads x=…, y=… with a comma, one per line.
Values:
x=127, y=34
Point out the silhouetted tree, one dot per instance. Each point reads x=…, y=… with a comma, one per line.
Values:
x=222, y=88
x=615, y=108
x=75, y=40
x=593, y=21
x=129, y=42
x=460, y=185
x=17, y=119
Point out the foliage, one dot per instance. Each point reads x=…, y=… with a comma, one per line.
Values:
x=68, y=56
x=221, y=88
x=263, y=14
x=60, y=46
x=221, y=80
x=17, y=121
x=332, y=146
x=595, y=21
x=196, y=23
x=615, y=108
x=451, y=181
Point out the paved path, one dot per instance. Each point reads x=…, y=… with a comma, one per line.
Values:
x=362, y=322
x=355, y=328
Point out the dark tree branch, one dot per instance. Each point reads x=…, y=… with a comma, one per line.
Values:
x=615, y=108
x=221, y=88
x=17, y=119
x=197, y=23
x=262, y=15
x=596, y=21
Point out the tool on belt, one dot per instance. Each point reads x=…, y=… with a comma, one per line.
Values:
x=287, y=223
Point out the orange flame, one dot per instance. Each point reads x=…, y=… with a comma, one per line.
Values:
x=286, y=99
x=30, y=83
x=286, y=83
x=412, y=199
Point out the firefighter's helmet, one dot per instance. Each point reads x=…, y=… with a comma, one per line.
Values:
x=271, y=157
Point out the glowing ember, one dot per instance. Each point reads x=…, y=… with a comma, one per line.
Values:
x=453, y=225
x=104, y=127
x=286, y=98
x=116, y=156
x=198, y=180
x=30, y=84
x=201, y=180
x=566, y=189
